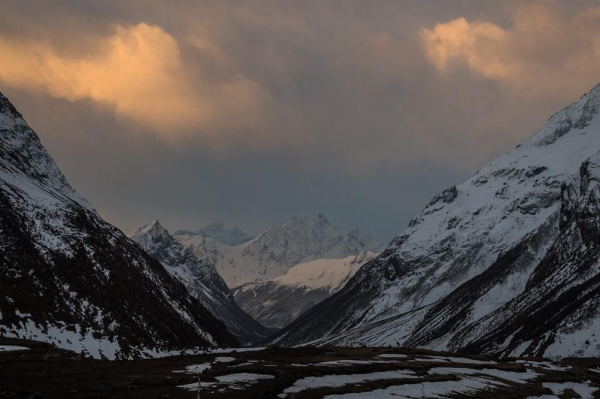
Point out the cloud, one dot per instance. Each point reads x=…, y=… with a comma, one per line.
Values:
x=546, y=49
x=140, y=73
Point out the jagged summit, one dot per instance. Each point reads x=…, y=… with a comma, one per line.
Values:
x=7, y=110
x=466, y=261
x=574, y=117
x=21, y=150
x=154, y=228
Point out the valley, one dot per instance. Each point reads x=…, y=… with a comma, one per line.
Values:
x=300, y=200
x=300, y=373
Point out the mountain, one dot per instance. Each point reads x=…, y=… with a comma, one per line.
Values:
x=274, y=251
x=202, y=281
x=279, y=301
x=70, y=278
x=217, y=231
x=506, y=263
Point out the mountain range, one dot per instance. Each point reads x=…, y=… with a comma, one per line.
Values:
x=273, y=252
x=506, y=263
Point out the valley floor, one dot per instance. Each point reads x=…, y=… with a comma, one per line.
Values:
x=38, y=371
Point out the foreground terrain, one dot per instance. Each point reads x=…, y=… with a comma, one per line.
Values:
x=36, y=370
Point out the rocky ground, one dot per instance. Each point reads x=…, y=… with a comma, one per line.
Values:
x=41, y=371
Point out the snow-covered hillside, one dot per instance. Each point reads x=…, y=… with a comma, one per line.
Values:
x=201, y=279
x=69, y=278
x=279, y=301
x=503, y=263
x=277, y=249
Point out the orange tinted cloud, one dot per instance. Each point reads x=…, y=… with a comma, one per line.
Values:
x=138, y=71
x=546, y=48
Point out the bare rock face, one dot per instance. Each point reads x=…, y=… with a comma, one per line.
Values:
x=505, y=263
x=202, y=281
x=69, y=278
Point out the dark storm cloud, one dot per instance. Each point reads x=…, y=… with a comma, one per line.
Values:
x=252, y=112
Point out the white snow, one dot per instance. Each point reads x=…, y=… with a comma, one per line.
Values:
x=329, y=274
x=243, y=377
x=195, y=368
x=12, y=348
x=232, y=381
x=585, y=390
x=428, y=390
x=513, y=376
x=234, y=350
x=339, y=380
x=224, y=359
x=392, y=356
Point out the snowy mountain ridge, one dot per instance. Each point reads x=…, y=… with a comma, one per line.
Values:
x=279, y=301
x=472, y=253
x=327, y=274
x=274, y=251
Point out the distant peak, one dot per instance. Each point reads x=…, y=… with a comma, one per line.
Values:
x=319, y=217
x=595, y=91
x=215, y=227
x=154, y=223
x=152, y=227
x=8, y=109
x=322, y=218
x=575, y=116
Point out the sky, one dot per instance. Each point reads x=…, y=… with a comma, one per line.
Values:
x=252, y=112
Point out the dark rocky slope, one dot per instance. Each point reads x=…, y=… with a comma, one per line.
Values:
x=69, y=278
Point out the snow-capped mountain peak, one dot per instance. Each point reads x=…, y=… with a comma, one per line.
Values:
x=21, y=149
x=154, y=229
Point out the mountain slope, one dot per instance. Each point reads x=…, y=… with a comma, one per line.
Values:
x=70, y=278
x=279, y=301
x=463, y=273
x=277, y=249
x=201, y=280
